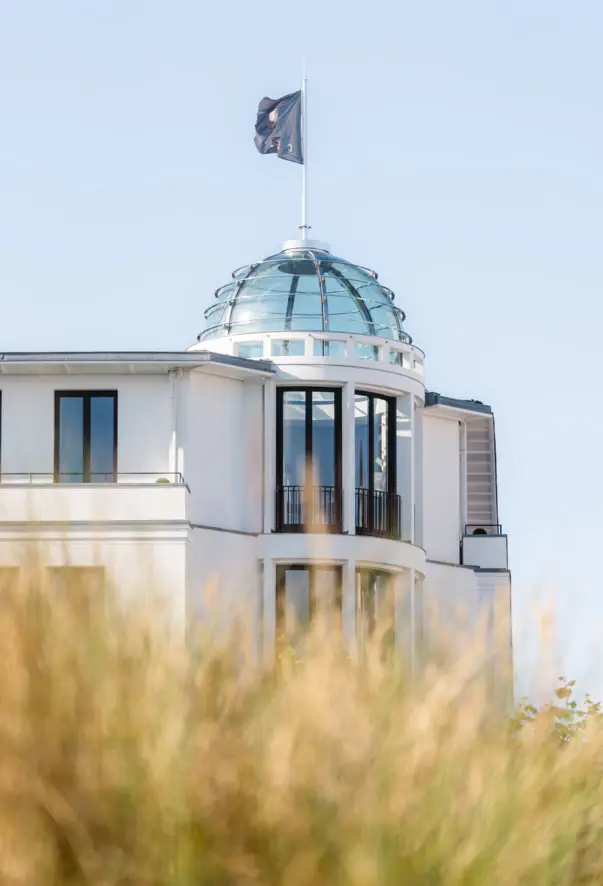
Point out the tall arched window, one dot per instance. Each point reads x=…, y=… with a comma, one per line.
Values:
x=378, y=507
x=308, y=460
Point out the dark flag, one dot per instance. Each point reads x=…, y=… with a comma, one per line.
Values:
x=278, y=127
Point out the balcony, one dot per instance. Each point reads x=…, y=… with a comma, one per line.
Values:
x=308, y=509
x=378, y=513
x=132, y=479
x=123, y=498
x=484, y=546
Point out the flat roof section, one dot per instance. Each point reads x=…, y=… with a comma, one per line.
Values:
x=434, y=399
x=176, y=359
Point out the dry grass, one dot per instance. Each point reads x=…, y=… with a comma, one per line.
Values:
x=125, y=759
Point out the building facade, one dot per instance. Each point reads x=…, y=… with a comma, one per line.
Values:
x=291, y=457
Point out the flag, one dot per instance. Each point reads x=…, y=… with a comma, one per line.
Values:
x=278, y=127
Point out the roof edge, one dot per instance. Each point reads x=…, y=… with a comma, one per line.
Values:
x=432, y=398
x=172, y=358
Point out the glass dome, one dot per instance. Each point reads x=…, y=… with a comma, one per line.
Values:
x=304, y=289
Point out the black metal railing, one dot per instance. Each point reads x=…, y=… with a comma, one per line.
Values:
x=483, y=529
x=308, y=509
x=136, y=478
x=378, y=513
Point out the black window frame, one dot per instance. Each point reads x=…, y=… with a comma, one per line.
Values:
x=367, y=628
x=392, y=471
x=86, y=396
x=308, y=390
x=312, y=569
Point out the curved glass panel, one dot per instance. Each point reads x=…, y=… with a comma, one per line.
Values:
x=304, y=290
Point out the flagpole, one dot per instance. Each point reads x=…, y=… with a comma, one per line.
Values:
x=304, y=205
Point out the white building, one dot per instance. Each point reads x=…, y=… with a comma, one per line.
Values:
x=292, y=453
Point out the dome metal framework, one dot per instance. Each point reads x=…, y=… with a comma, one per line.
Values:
x=304, y=289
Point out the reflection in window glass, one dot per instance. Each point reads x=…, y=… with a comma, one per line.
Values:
x=396, y=358
x=252, y=350
x=294, y=438
x=293, y=601
x=288, y=347
x=306, y=309
x=366, y=352
x=71, y=447
x=304, y=591
x=102, y=436
x=323, y=437
x=375, y=603
x=362, y=441
x=85, y=444
x=380, y=462
x=329, y=348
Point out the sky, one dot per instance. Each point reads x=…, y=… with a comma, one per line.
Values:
x=454, y=147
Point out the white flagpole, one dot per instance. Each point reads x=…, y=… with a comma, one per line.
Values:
x=304, y=210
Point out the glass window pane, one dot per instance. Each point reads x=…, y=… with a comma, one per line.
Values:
x=102, y=437
x=294, y=438
x=71, y=440
x=327, y=592
x=375, y=594
x=362, y=441
x=323, y=438
x=329, y=348
x=366, y=352
x=293, y=605
x=307, y=305
x=396, y=357
x=288, y=347
x=253, y=350
x=380, y=464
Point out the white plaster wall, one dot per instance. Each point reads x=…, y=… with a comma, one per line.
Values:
x=441, y=488
x=144, y=420
x=223, y=577
x=469, y=611
x=450, y=595
x=92, y=503
x=137, y=563
x=223, y=452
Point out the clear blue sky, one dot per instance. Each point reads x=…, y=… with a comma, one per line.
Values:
x=454, y=147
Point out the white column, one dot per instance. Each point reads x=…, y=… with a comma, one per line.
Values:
x=404, y=469
x=417, y=433
x=412, y=502
x=181, y=426
x=348, y=467
x=413, y=621
x=402, y=623
x=348, y=604
x=269, y=419
x=268, y=627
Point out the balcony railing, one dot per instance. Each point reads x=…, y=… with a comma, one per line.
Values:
x=483, y=529
x=378, y=513
x=308, y=509
x=132, y=479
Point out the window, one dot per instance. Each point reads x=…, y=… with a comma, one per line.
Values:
x=308, y=453
x=378, y=509
x=302, y=592
x=85, y=446
x=326, y=348
x=295, y=347
x=375, y=606
x=366, y=352
x=252, y=350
